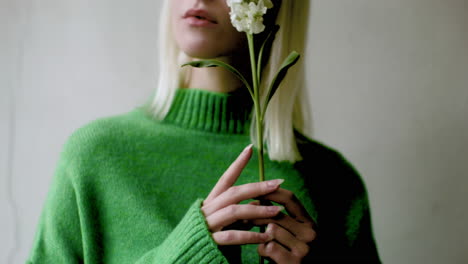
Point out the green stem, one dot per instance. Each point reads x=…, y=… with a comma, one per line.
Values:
x=258, y=115
x=258, y=109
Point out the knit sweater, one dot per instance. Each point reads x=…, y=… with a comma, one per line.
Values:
x=128, y=189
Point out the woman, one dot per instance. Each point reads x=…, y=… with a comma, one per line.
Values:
x=130, y=188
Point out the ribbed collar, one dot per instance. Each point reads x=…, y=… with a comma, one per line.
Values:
x=211, y=111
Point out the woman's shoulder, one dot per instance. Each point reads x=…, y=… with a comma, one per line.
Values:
x=313, y=149
x=327, y=165
x=106, y=131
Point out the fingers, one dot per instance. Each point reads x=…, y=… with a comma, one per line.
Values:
x=232, y=173
x=293, y=206
x=234, y=237
x=304, y=231
x=285, y=248
x=236, y=194
x=235, y=212
x=296, y=247
x=276, y=252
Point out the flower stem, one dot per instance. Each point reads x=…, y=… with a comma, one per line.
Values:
x=257, y=106
x=258, y=117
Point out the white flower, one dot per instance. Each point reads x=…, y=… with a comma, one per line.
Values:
x=247, y=15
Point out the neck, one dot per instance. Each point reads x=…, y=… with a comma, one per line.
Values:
x=215, y=79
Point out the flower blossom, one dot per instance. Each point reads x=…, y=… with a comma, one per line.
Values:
x=247, y=15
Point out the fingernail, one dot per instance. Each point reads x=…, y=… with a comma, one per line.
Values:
x=269, y=227
x=275, y=209
x=248, y=147
x=267, y=236
x=274, y=183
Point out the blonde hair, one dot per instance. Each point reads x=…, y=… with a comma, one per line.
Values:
x=286, y=109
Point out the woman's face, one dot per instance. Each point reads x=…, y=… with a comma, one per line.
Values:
x=203, y=29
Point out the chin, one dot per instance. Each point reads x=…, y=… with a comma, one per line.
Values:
x=208, y=46
x=205, y=53
x=203, y=56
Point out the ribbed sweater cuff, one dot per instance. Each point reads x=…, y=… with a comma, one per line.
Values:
x=189, y=242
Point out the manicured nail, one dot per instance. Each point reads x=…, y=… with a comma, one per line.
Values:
x=267, y=236
x=275, y=209
x=274, y=183
x=249, y=147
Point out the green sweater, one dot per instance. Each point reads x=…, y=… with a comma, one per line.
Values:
x=128, y=189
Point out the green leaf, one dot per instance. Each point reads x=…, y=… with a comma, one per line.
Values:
x=217, y=63
x=287, y=64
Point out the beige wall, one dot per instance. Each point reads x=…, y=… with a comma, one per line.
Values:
x=388, y=86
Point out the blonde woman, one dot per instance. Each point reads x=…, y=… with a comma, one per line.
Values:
x=157, y=185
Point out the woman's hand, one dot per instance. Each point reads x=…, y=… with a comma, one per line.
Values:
x=291, y=232
x=221, y=208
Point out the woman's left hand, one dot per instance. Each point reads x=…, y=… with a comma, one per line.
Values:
x=291, y=232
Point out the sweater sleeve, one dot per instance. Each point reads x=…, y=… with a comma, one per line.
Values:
x=344, y=226
x=364, y=248
x=65, y=236
x=357, y=246
x=58, y=235
x=59, y=238
x=86, y=217
x=189, y=242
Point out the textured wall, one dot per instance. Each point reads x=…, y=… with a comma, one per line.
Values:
x=388, y=86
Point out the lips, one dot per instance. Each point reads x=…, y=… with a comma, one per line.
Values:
x=199, y=17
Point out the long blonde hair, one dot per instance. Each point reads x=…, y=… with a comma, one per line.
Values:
x=286, y=110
